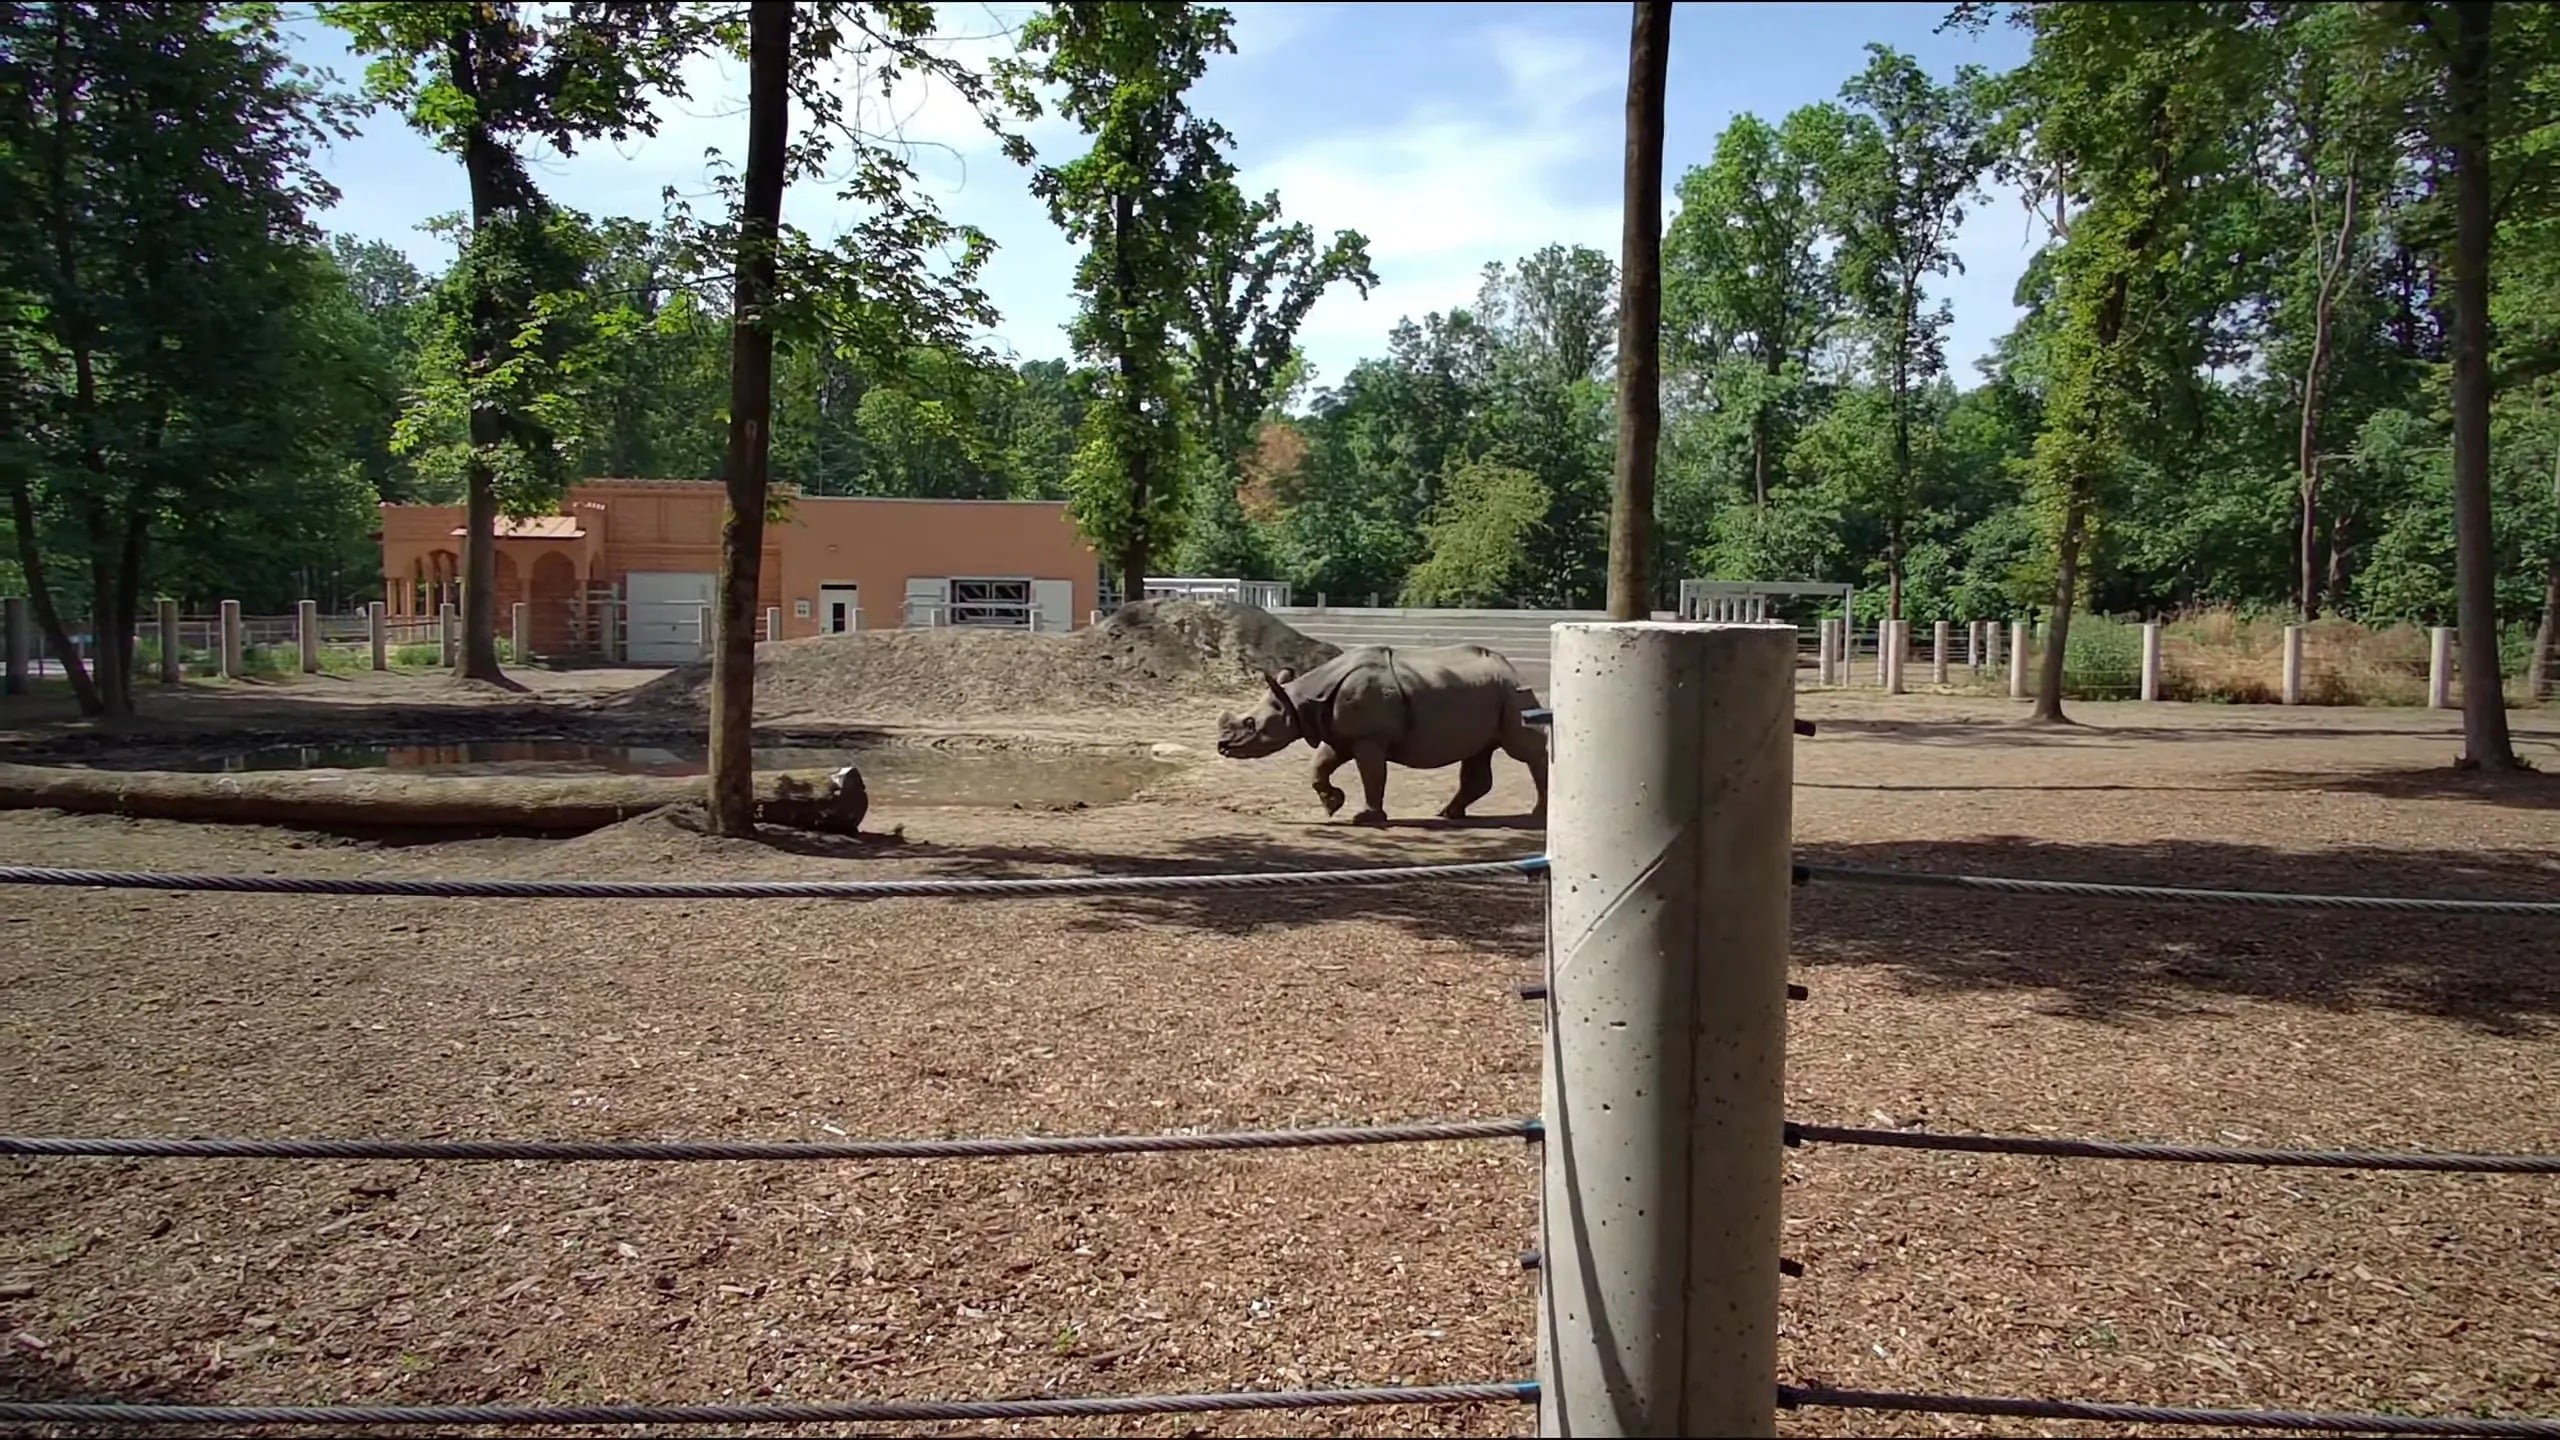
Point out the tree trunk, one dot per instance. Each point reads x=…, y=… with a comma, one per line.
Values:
x=1639, y=317
x=2485, y=740
x=1124, y=281
x=1901, y=446
x=22, y=515
x=2339, y=549
x=480, y=165
x=2542, y=672
x=2066, y=586
x=745, y=469
x=2333, y=271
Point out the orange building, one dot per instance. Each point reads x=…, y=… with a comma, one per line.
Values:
x=628, y=568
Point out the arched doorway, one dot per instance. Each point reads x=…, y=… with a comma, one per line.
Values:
x=554, y=597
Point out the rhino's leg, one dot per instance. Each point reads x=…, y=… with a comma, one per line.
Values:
x=1329, y=760
x=1527, y=744
x=1371, y=757
x=1475, y=781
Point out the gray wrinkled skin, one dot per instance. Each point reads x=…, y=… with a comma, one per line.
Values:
x=1373, y=706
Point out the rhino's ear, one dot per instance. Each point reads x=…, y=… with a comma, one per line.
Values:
x=1286, y=675
x=1281, y=698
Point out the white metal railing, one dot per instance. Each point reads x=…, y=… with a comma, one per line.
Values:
x=1264, y=594
x=938, y=614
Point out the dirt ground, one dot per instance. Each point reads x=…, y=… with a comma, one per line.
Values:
x=133, y=1013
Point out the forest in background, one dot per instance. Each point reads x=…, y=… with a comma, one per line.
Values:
x=2231, y=386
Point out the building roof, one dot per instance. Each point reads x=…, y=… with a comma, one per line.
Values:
x=538, y=527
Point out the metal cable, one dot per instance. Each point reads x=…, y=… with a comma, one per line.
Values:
x=762, y=889
x=959, y=1149
x=2180, y=1154
x=2088, y=890
x=767, y=1413
x=2335, y=1422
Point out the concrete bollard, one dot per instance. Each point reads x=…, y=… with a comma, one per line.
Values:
x=1893, y=646
x=773, y=622
x=173, y=645
x=1938, y=636
x=306, y=631
x=1666, y=1037
x=17, y=643
x=2019, y=652
x=2151, y=660
x=377, y=633
x=448, y=634
x=234, y=658
x=520, y=630
x=2439, y=667
x=702, y=628
x=2293, y=664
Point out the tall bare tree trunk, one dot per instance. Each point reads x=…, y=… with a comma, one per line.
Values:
x=1124, y=279
x=2066, y=590
x=2542, y=673
x=1639, y=316
x=2486, y=743
x=746, y=468
x=483, y=164
x=2333, y=273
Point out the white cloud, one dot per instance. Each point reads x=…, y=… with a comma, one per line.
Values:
x=1445, y=189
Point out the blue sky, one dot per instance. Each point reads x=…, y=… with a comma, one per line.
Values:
x=1451, y=135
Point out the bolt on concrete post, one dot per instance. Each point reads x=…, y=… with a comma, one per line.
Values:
x=377, y=633
x=13, y=640
x=2151, y=660
x=2293, y=664
x=1666, y=1037
x=1938, y=635
x=234, y=660
x=173, y=648
x=2018, y=651
x=520, y=630
x=306, y=630
x=448, y=634
x=2439, y=667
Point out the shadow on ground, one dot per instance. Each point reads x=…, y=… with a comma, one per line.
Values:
x=1500, y=916
x=2124, y=962
x=2532, y=731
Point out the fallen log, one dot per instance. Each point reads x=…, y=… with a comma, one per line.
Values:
x=391, y=800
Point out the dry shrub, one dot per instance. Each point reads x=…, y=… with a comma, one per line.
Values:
x=2222, y=655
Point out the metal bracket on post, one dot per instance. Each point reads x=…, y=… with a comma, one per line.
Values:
x=1665, y=1048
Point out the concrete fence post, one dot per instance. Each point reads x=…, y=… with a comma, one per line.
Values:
x=448, y=634
x=1938, y=636
x=2018, y=653
x=2293, y=664
x=1666, y=1035
x=2440, y=667
x=306, y=631
x=520, y=630
x=173, y=647
x=15, y=640
x=234, y=658
x=1894, y=643
x=2151, y=660
x=377, y=633
x=1973, y=646
x=702, y=628
x=773, y=622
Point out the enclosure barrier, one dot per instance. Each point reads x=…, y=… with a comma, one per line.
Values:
x=1661, y=1084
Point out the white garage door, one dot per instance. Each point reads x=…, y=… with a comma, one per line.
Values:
x=666, y=616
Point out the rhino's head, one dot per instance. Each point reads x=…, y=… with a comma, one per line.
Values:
x=1268, y=730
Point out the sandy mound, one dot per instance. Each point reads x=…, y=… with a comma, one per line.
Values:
x=1147, y=656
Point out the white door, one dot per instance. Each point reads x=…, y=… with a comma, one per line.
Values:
x=1055, y=600
x=666, y=616
x=839, y=609
x=926, y=596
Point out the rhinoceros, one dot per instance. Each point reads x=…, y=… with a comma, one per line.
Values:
x=1374, y=705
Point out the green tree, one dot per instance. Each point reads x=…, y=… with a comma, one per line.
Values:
x=1141, y=201
x=482, y=79
x=1915, y=152
x=1747, y=294
x=156, y=267
x=1487, y=517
